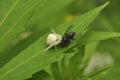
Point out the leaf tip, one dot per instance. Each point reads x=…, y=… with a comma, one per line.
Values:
x=106, y=3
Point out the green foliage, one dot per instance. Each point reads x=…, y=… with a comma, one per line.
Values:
x=42, y=75
x=27, y=58
x=14, y=18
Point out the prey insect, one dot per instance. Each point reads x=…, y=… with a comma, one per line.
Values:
x=53, y=39
x=68, y=36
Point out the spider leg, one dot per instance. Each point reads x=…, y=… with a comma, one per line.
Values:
x=55, y=47
x=48, y=48
x=53, y=30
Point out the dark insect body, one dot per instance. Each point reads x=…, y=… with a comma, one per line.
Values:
x=67, y=38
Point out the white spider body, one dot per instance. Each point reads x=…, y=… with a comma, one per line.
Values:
x=53, y=39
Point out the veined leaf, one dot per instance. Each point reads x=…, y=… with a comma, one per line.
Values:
x=95, y=36
x=89, y=50
x=100, y=72
x=49, y=8
x=81, y=23
x=40, y=17
x=41, y=75
x=49, y=14
x=56, y=71
x=6, y=7
x=29, y=62
x=32, y=59
x=15, y=19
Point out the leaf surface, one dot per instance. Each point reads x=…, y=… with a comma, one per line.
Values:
x=16, y=17
x=95, y=36
x=33, y=58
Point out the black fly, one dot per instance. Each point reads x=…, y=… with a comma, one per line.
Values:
x=68, y=36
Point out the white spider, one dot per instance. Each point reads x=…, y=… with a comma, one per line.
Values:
x=53, y=39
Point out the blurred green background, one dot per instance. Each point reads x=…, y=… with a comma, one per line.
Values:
x=108, y=20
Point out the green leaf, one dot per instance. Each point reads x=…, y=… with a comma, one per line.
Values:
x=100, y=72
x=6, y=7
x=41, y=75
x=114, y=71
x=89, y=50
x=81, y=23
x=32, y=59
x=56, y=71
x=95, y=36
x=15, y=19
x=29, y=62
x=49, y=14
x=49, y=8
x=39, y=16
x=75, y=66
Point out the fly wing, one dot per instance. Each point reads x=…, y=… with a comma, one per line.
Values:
x=69, y=29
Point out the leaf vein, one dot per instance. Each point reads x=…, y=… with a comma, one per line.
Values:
x=16, y=23
x=42, y=52
x=8, y=13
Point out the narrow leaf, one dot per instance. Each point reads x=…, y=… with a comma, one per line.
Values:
x=32, y=59
x=15, y=20
x=29, y=62
x=80, y=24
x=39, y=15
x=89, y=50
x=101, y=72
x=41, y=75
x=95, y=36
x=56, y=71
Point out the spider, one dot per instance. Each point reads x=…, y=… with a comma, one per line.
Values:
x=53, y=39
